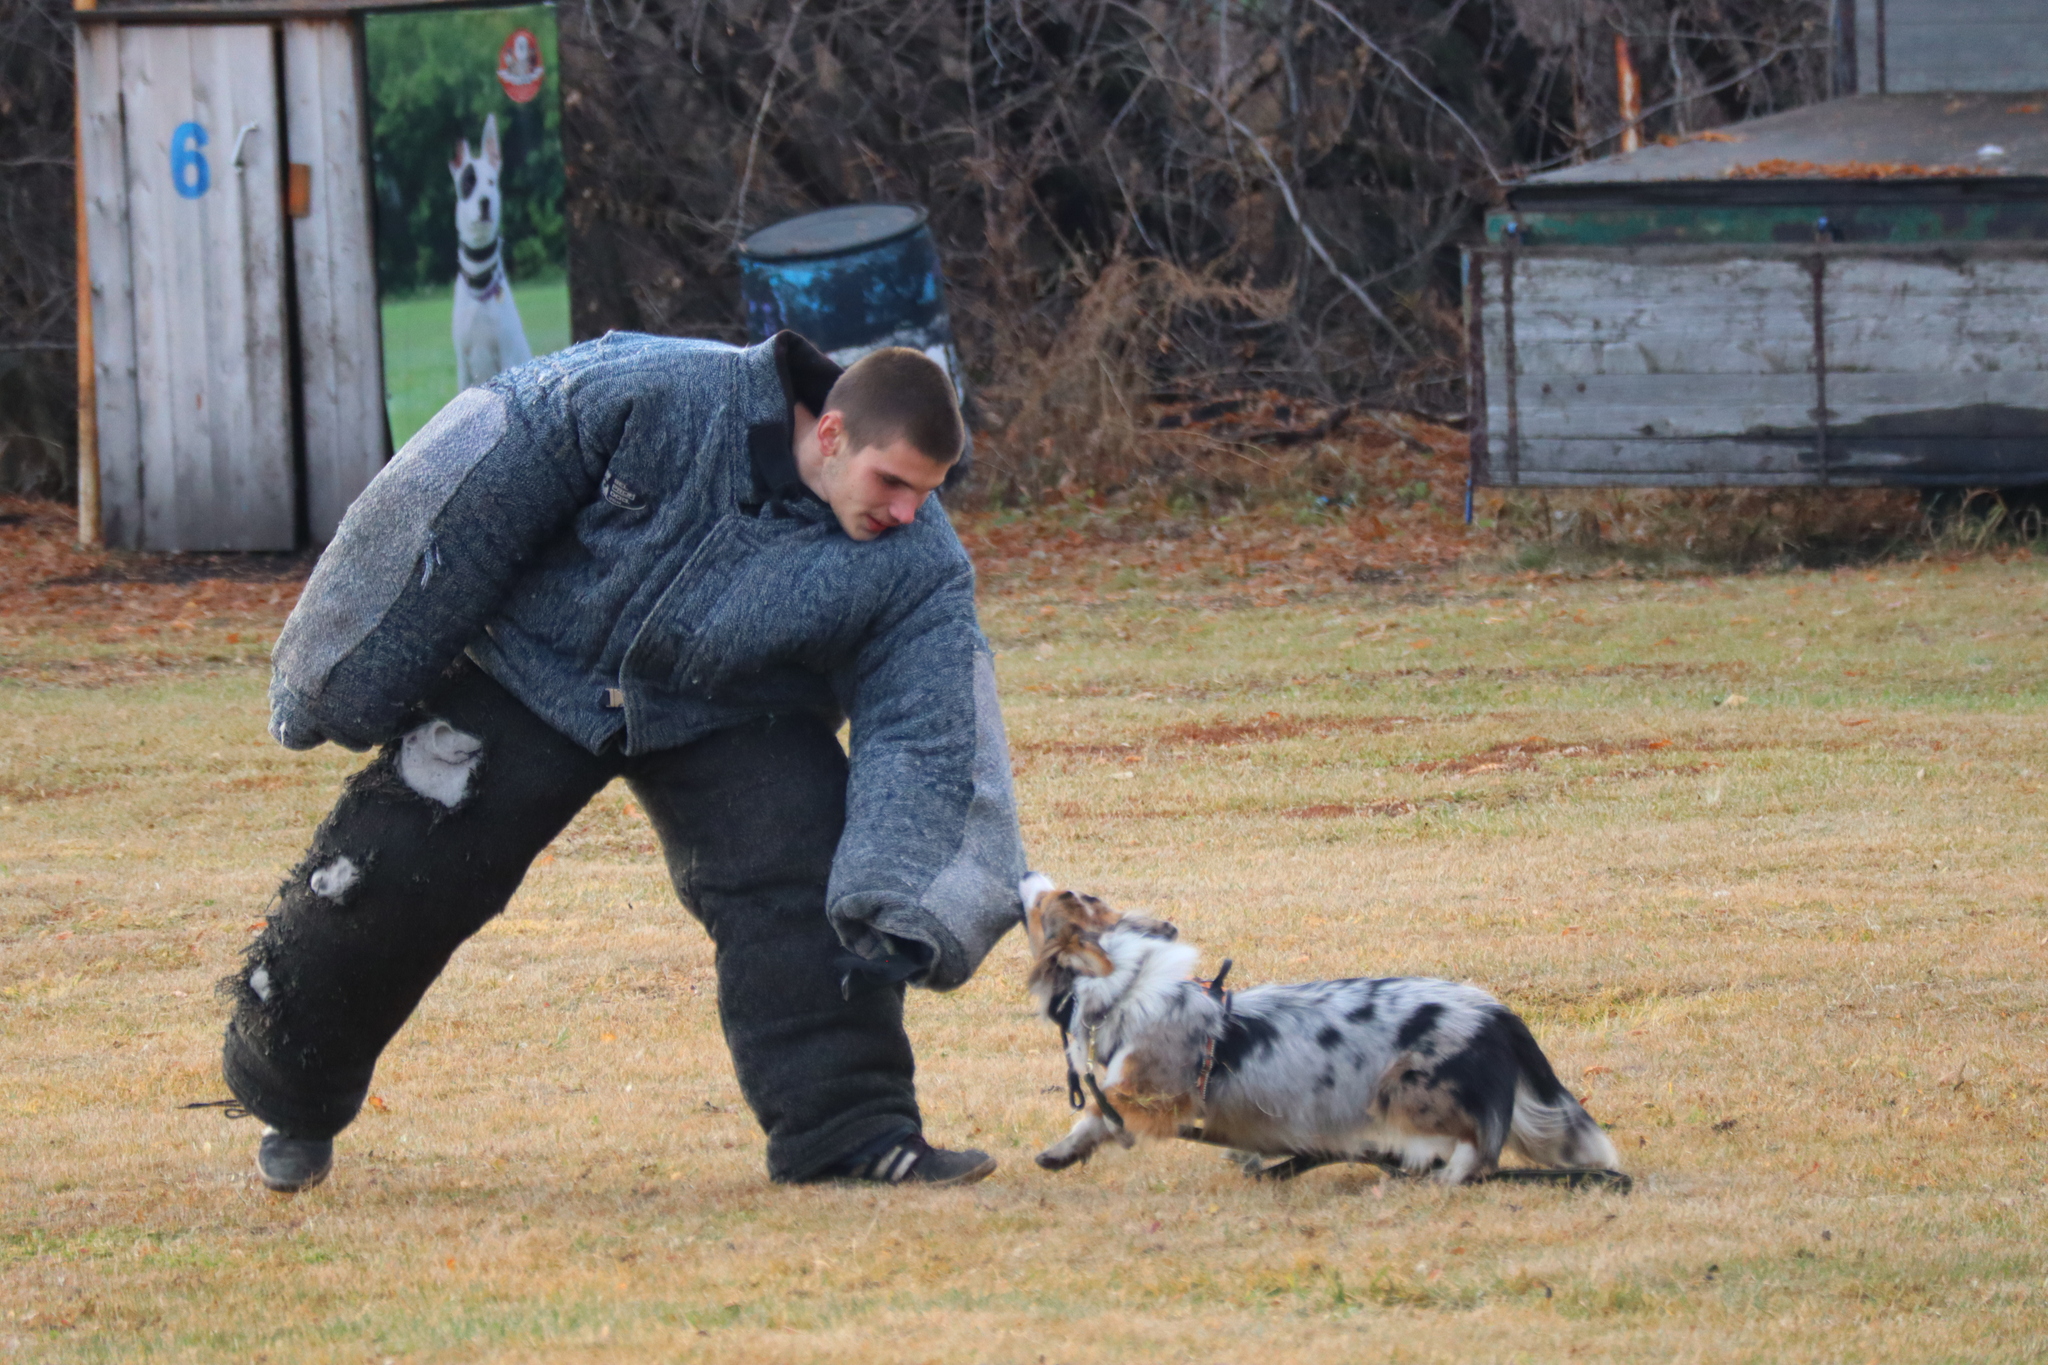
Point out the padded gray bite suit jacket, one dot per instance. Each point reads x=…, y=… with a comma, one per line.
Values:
x=591, y=528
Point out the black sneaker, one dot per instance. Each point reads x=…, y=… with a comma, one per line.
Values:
x=289, y=1164
x=913, y=1161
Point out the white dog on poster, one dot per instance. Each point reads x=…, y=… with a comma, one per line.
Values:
x=488, y=334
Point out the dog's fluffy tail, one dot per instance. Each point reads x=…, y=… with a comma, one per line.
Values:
x=1549, y=1127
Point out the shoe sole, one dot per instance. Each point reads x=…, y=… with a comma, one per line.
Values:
x=982, y=1172
x=285, y=1187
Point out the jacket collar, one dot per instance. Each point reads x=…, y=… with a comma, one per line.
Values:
x=807, y=375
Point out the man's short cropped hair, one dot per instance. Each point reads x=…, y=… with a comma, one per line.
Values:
x=899, y=394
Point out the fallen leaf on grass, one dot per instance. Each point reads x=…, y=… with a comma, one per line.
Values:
x=1598, y=1071
x=1864, y=721
x=1733, y=699
x=376, y=1102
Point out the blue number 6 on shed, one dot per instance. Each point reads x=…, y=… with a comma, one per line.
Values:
x=190, y=174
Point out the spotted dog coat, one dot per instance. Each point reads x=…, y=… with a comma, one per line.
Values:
x=1430, y=1075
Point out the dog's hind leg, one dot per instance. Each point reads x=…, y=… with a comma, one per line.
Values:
x=1089, y=1132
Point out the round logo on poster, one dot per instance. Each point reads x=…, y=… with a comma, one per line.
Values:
x=520, y=69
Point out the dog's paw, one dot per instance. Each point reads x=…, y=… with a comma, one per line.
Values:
x=1052, y=1160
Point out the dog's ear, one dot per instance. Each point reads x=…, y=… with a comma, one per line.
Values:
x=461, y=157
x=1057, y=911
x=1068, y=927
x=1149, y=927
x=1078, y=952
x=491, y=150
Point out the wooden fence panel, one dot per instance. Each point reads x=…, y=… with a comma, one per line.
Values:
x=340, y=358
x=1694, y=366
x=103, y=146
x=1935, y=45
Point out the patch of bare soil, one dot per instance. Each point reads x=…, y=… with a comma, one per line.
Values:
x=1521, y=755
x=1274, y=726
x=116, y=615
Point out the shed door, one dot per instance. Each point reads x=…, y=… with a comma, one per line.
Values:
x=206, y=249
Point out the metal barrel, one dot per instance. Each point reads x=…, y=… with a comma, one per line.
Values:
x=852, y=280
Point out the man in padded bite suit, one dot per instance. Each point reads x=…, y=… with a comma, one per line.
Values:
x=684, y=564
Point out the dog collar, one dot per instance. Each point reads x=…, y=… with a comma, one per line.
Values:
x=1214, y=986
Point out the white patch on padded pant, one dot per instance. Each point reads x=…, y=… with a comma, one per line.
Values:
x=334, y=880
x=436, y=760
x=259, y=982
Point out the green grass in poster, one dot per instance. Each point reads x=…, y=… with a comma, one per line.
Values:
x=419, y=346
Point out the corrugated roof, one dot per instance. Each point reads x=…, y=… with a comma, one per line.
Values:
x=1921, y=135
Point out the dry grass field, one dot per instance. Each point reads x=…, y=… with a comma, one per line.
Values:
x=1758, y=857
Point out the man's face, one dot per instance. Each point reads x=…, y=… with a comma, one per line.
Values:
x=876, y=488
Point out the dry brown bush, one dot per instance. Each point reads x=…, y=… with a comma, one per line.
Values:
x=1131, y=196
x=38, y=298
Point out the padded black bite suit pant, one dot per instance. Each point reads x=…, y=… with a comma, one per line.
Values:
x=395, y=881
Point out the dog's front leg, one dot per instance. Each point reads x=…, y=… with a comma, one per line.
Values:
x=1090, y=1131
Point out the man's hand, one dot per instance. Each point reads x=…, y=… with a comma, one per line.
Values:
x=905, y=959
x=291, y=727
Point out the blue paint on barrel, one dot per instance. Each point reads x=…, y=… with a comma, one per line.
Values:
x=852, y=280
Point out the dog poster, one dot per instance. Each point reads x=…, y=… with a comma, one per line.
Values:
x=472, y=242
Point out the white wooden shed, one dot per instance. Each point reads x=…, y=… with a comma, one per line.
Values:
x=231, y=392
x=1845, y=294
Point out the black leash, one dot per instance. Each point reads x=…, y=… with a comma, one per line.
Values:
x=229, y=1109
x=1075, y=1099
x=1102, y=1102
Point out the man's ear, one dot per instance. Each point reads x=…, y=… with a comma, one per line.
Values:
x=831, y=433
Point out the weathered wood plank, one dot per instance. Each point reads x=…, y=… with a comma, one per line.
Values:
x=1953, y=45
x=214, y=501
x=341, y=369
x=1600, y=316
x=254, y=444
x=1666, y=406
x=105, y=160
x=1725, y=460
x=1957, y=315
x=1857, y=397
x=1911, y=462
x=156, y=81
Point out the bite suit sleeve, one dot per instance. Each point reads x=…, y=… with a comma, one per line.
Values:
x=925, y=879
x=426, y=554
